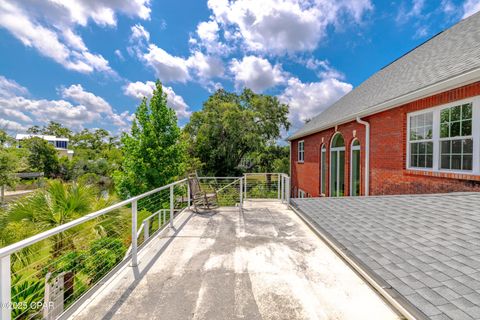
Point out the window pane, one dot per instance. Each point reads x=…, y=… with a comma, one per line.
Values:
x=454, y=129
x=429, y=133
x=455, y=113
x=467, y=146
x=467, y=111
x=421, y=149
x=467, y=128
x=445, y=147
x=444, y=130
x=421, y=161
x=429, y=160
x=429, y=147
x=413, y=161
x=457, y=146
x=467, y=162
x=445, y=162
x=444, y=116
x=456, y=162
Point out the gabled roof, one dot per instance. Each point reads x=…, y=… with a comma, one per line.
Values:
x=443, y=58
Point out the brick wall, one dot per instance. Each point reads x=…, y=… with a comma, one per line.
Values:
x=388, y=173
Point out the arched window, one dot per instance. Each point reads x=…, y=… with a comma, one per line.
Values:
x=323, y=169
x=355, y=168
x=337, y=166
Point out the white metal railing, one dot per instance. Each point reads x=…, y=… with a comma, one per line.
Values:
x=164, y=202
x=154, y=199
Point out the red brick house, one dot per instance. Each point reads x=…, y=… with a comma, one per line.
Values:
x=412, y=127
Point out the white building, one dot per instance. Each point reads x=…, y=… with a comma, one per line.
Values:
x=60, y=144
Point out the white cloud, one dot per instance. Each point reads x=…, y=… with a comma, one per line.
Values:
x=139, y=33
x=77, y=108
x=306, y=100
x=168, y=68
x=119, y=54
x=9, y=88
x=256, y=73
x=470, y=7
x=140, y=90
x=9, y=125
x=279, y=26
x=206, y=67
x=48, y=26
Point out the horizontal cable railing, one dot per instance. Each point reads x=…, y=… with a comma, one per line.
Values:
x=42, y=276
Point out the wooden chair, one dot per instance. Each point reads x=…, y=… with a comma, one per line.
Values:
x=201, y=199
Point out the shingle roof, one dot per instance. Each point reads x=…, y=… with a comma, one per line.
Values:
x=448, y=54
x=424, y=247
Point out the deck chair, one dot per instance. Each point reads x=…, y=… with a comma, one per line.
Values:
x=201, y=199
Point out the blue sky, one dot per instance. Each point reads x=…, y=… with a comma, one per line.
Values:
x=87, y=63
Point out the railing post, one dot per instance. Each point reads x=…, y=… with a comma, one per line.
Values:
x=134, y=234
x=282, y=188
x=159, y=219
x=5, y=289
x=245, y=186
x=288, y=190
x=278, y=186
x=146, y=229
x=188, y=196
x=241, y=193
x=171, y=206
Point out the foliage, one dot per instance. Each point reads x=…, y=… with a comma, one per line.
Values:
x=25, y=293
x=52, y=128
x=59, y=203
x=8, y=168
x=42, y=156
x=153, y=152
x=232, y=126
x=104, y=254
x=272, y=158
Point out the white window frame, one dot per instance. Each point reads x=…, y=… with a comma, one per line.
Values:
x=436, y=137
x=323, y=167
x=301, y=194
x=301, y=152
x=355, y=148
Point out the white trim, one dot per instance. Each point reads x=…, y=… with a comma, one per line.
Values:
x=436, y=137
x=354, y=148
x=460, y=80
x=301, y=142
x=337, y=150
x=301, y=194
x=323, y=149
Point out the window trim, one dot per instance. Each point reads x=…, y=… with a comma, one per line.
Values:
x=302, y=142
x=355, y=148
x=436, y=137
x=301, y=194
x=323, y=167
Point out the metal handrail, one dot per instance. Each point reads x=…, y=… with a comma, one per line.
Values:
x=8, y=250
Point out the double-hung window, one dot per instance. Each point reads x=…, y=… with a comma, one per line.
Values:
x=301, y=151
x=421, y=140
x=456, y=141
x=445, y=138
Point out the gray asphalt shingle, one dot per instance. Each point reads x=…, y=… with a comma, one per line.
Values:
x=426, y=247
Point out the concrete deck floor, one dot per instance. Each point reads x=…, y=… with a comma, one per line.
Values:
x=264, y=263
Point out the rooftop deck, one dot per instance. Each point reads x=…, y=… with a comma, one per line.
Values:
x=261, y=262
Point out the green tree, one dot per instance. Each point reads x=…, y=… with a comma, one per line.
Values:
x=57, y=204
x=153, y=151
x=42, y=156
x=272, y=158
x=231, y=127
x=57, y=129
x=8, y=168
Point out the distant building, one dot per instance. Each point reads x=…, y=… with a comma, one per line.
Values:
x=60, y=144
